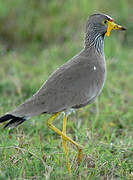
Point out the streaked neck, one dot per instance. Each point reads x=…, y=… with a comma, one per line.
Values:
x=96, y=41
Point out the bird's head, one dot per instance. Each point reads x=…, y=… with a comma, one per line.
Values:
x=98, y=26
x=102, y=24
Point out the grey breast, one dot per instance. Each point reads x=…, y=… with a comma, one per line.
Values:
x=74, y=84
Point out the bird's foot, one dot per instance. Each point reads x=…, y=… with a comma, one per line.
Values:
x=80, y=155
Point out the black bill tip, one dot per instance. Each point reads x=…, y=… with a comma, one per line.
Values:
x=123, y=28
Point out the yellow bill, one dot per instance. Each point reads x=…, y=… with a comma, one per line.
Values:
x=112, y=25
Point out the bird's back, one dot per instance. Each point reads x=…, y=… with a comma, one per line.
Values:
x=73, y=85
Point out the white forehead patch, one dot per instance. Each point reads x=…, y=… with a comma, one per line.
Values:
x=109, y=17
x=94, y=68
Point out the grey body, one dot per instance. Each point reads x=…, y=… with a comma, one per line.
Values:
x=73, y=85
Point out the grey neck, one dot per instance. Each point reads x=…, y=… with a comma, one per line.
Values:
x=96, y=41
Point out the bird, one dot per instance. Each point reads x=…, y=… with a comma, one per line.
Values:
x=73, y=85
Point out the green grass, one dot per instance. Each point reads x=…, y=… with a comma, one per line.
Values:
x=30, y=51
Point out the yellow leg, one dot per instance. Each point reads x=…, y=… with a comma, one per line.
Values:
x=64, y=142
x=51, y=126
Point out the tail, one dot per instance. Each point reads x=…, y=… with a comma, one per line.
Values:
x=14, y=121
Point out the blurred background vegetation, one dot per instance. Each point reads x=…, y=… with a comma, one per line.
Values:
x=36, y=36
x=50, y=22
